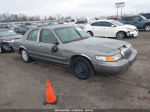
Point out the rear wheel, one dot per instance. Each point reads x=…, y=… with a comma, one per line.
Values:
x=82, y=68
x=90, y=33
x=1, y=49
x=120, y=35
x=147, y=28
x=25, y=57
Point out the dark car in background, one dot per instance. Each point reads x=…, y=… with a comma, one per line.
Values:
x=10, y=26
x=22, y=29
x=139, y=21
x=7, y=38
x=146, y=15
x=53, y=23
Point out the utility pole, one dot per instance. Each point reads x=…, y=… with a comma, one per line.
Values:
x=120, y=5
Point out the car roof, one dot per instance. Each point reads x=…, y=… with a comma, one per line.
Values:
x=110, y=20
x=54, y=26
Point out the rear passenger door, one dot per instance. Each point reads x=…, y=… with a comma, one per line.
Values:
x=31, y=43
x=97, y=28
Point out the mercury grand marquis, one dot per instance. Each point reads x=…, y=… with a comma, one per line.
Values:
x=70, y=46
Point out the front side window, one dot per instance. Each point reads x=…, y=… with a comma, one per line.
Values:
x=107, y=24
x=127, y=19
x=137, y=18
x=83, y=33
x=117, y=23
x=33, y=35
x=47, y=36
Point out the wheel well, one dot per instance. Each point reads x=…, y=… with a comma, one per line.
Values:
x=20, y=49
x=123, y=32
x=90, y=32
x=76, y=56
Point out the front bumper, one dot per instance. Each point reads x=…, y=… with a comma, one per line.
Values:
x=7, y=46
x=133, y=34
x=114, y=68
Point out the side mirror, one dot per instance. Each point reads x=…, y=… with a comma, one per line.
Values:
x=56, y=43
x=55, y=48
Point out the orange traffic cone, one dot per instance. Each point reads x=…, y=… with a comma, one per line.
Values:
x=50, y=95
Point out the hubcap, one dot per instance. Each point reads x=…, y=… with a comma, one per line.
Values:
x=24, y=55
x=90, y=33
x=81, y=70
x=120, y=35
x=147, y=28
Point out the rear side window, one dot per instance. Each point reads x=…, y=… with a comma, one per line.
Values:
x=47, y=36
x=33, y=35
x=97, y=24
x=81, y=22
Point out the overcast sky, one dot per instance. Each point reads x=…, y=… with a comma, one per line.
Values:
x=76, y=8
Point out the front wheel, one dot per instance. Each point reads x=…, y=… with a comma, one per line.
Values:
x=25, y=57
x=82, y=68
x=120, y=35
x=147, y=28
x=1, y=49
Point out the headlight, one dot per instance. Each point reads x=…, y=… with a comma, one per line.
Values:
x=8, y=41
x=109, y=58
x=130, y=29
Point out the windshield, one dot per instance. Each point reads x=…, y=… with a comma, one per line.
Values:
x=117, y=23
x=70, y=34
x=83, y=33
x=142, y=17
x=7, y=33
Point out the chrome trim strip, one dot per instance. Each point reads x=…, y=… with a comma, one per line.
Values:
x=51, y=56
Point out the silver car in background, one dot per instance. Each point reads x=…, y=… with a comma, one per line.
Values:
x=85, y=55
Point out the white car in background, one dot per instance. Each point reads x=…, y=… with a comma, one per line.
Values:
x=111, y=28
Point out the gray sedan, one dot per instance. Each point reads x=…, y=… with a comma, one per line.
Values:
x=73, y=47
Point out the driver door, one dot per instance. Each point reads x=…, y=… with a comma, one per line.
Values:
x=108, y=30
x=47, y=41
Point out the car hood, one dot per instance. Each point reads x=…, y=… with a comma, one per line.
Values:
x=96, y=45
x=129, y=26
x=11, y=37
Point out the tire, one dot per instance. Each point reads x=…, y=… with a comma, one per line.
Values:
x=90, y=33
x=82, y=68
x=25, y=57
x=1, y=49
x=147, y=28
x=120, y=35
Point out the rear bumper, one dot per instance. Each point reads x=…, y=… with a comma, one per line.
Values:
x=114, y=68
